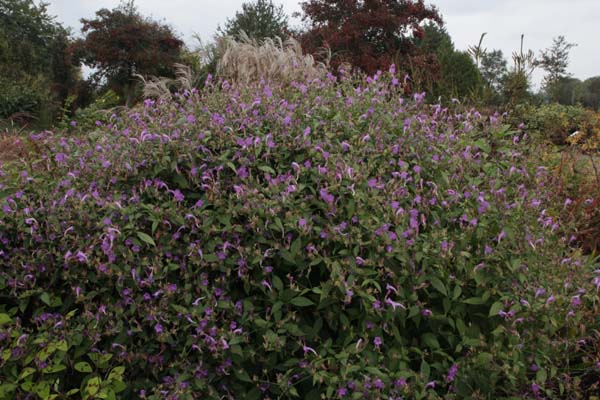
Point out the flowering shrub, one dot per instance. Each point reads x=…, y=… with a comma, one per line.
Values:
x=323, y=239
x=562, y=124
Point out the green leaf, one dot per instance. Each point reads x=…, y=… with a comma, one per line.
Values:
x=474, y=301
x=146, y=238
x=541, y=376
x=438, y=285
x=296, y=246
x=93, y=386
x=4, y=318
x=83, y=367
x=242, y=375
x=425, y=370
x=294, y=329
x=266, y=168
x=301, y=302
x=45, y=297
x=62, y=345
x=54, y=368
x=116, y=374
x=26, y=372
x=496, y=308
x=253, y=394
x=277, y=283
x=430, y=341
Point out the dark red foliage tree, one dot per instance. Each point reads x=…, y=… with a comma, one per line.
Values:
x=369, y=34
x=120, y=43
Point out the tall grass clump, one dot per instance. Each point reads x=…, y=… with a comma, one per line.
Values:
x=163, y=88
x=246, y=60
x=311, y=239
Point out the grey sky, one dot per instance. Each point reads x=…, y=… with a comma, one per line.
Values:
x=503, y=20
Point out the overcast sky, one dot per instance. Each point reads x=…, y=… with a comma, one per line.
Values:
x=503, y=20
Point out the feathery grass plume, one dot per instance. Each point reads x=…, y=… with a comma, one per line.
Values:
x=247, y=60
x=162, y=88
x=155, y=87
x=185, y=79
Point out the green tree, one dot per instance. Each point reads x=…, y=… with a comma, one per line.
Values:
x=568, y=91
x=35, y=65
x=555, y=61
x=459, y=76
x=121, y=43
x=591, y=93
x=259, y=20
x=493, y=68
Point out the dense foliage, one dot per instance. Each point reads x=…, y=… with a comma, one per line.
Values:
x=258, y=20
x=459, y=76
x=555, y=61
x=121, y=42
x=561, y=124
x=572, y=91
x=318, y=239
x=35, y=63
x=370, y=35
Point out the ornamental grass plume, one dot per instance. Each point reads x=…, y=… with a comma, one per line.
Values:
x=247, y=60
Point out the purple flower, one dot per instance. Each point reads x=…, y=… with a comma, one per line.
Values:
x=267, y=92
x=534, y=367
x=400, y=382
x=328, y=198
x=81, y=257
x=177, y=195
x=394, y=304
x=307, y=349
x=452, y=373
x=377, y=305
x=341, y=392
x=242, y=172
x=378, y=342
x=501, y=236
x=60, y=157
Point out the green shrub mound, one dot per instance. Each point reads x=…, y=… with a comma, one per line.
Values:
x=562, y=125
x=21, y=97
x=320, y=240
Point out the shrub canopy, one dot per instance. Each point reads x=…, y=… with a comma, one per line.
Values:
x=316, y=239
x=369, y=35
x=121, y=42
